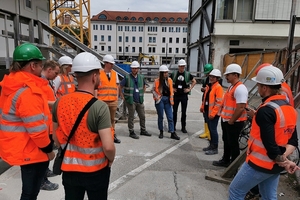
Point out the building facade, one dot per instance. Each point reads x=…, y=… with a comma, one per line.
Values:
x=140, y=35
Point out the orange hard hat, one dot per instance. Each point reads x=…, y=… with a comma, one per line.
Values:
x=261, y=66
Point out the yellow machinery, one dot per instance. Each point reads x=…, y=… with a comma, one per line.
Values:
x=73, y=17
x=142, y=56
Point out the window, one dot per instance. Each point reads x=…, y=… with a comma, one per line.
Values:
x=102, y=38
x=95, y=37
x=163, y=19
x=154, y=39
x=225, y=9
x=133, y=38
x=148, y=19
x=120, y=38
x=102, y=27
x=184, y=29
x=28, y=4
x=177, y=40
x=102, y=48
x=170, y=40
x=95, y=47
x=141, y=19
x=140, y=49
x=126, y=28
x=149, y=49
x=244, y=10
x=109, y=38
x=163, y=29
x=109, y=27
x=179, y=19
x=163, y=40
x=102, y=16
x=186, y=19
x=120, y=49
x=150, y=39
x=140, y=39
x=183, y=50
x=126, y=49
x=177, y=50
x=133, y=49
x=126, y=39
x=118, y=18
x=125, y=18
x=153, y=49
x=152, y=28
x=156, y=19
x=133, y=28
x=141, y=28
x=133, y=19
x=170, y=50
x=183, y=40
x=109, y=48
x=177, y=29
x=95, y=27
x=171, y=29
x=120, y=28
x=171, y=19
x=163, y=50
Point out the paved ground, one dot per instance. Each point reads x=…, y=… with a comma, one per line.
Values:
x=152, y=168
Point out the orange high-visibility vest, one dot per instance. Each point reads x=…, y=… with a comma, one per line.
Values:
x=286, y=119
x=157, y=93
x=215, y=99
x=229, y=105
x=108, y=89
x=84, y=153
x=286, y=90
x=67, y=85
x=48, y=90
x=24, y=119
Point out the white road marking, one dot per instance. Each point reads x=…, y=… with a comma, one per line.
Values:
x=139, y=169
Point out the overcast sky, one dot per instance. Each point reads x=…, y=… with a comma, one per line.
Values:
x=139, y=5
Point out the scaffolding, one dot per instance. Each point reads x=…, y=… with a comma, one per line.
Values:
x=72, y=17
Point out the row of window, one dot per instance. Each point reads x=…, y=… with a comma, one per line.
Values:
x=141, y=19
x=102, y=27
x=133, y=49
x=140, y=28
x=150, y=39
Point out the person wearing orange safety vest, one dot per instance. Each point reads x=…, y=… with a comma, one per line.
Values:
x=108, y=90
x=164, y=100
x=233, y=114
x=64, y=83
x=91, y=150
x=273, y=137
x=24, y=135
x=210, y=107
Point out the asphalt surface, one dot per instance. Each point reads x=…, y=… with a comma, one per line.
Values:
x=152, y=168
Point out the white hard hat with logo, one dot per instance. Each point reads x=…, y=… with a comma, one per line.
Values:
x=215, y=72
x=85, y=62
x=163, y=68
x=64, y=60
x=135, y=64
x=109, y=59
x=269, y=75
x=233, y=68
x=181, y=62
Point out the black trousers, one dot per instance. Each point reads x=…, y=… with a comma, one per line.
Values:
x=183, y=99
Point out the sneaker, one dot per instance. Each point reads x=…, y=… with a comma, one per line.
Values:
x=251, y=196
x=50, y=173
x=133, y=135
x=211, y=151
x=47, y=185
x=116, y=140
x=161, y=135
x=221, y=163
x=175, y=136
x=183, y=130
x=145, y=133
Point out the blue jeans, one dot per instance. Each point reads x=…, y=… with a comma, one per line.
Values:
x=95, y=184
x=32, y=176
x=212, y=126
x=165, y=105
x=247, y=178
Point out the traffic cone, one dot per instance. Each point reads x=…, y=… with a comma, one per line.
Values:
x=206, y=133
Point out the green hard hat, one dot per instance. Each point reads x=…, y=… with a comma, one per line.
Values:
x=207, y=68
x=27, y=52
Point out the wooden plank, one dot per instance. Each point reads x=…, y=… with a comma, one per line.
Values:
x=214, y=175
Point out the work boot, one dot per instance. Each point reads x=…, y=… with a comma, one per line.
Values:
x=206, y=133
x=161, y=135
x=213, y=150
x=116, y=140
x=175, y=136
x=209, y=147
x=50, y=173
x=47, y=185
x=183, y=130
x=221, y=163
x=145, y=133
x=133, y=135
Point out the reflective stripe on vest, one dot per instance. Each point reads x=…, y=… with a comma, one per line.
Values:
x=215, y=99
x=108, y=89
x=64, y=89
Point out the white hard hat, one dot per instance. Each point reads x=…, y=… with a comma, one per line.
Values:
x=233, y=68
x=85, y=62
x=135, y=64
x=65, y=60
x=215, y=72
x=269, y=75
x=163, y=68
x=181, y=62
x=109, y=59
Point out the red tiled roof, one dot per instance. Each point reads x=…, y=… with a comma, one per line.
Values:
x=153, y=16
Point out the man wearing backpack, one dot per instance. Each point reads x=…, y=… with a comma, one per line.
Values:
x=183, y=83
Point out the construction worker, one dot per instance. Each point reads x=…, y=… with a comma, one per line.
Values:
x=207, y=69
x=163, y=97
x=210, y=107
x=91, y=151
x=233, y=115
x=64, y=83
x=24, y=136
x=183, y=83
x=134, y=88
x=49, y=73
x=108, y=89
x=273, y=137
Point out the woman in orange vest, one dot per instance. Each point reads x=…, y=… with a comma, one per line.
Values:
x=164, y=100
x=210, y=107
x=273, y=137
